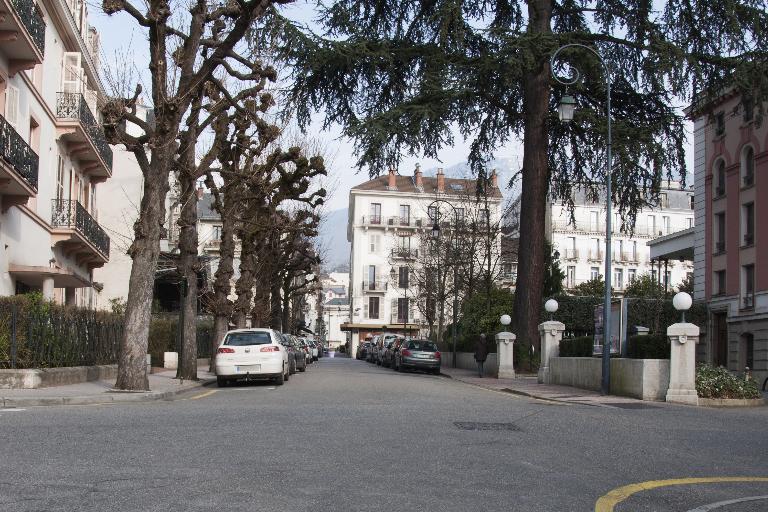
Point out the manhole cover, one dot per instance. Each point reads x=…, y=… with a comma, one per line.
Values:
x=475, y=425
x=630, y=405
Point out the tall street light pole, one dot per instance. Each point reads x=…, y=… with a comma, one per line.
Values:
x=436, y=235
x=565, y=111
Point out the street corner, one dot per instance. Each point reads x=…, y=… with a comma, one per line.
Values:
x=695, y=494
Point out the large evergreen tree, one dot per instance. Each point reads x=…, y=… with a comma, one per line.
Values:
x=400, y=76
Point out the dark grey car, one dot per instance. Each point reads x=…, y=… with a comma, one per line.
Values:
x=418, y=354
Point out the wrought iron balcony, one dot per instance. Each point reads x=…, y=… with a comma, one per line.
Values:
x=32, y=21
x=374, y=286
x=18, y=154
x=404, y=254
x=67, y=213
x=72, y=105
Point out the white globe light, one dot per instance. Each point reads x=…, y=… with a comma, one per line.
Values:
x=551, y=306
x=682, y=301
x=505, y=319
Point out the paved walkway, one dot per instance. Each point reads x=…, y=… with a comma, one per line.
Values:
x=527, y=385
x=163, y=385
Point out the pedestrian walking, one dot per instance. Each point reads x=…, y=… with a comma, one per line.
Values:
x=481, y=353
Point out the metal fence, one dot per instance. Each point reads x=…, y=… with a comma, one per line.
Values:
x=36, y=334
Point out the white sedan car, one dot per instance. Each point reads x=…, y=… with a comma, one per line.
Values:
x=251, y=354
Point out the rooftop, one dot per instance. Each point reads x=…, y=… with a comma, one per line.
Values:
x=407, y=184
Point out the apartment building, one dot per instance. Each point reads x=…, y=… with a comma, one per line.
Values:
x=54, y=154
x=387, y=215
x=580, y=241
x=731, y=243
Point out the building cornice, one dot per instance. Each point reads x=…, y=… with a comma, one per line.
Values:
x=420, y=195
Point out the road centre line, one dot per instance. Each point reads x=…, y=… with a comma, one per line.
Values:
x=203, y=395
x=607, y=502
x=719, y=504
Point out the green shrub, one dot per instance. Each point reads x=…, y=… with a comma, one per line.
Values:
x=651, y=346
x=577, y=347
x=720, y=383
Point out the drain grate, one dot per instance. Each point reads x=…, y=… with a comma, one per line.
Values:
x=476, y=425
x=630, y=405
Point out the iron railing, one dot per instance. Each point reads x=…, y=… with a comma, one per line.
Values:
x=32, y=21
x=374, y=286
x=18, y=154
x=66, y=213
x=36, y=334
x=72, y=105
x=404, y=254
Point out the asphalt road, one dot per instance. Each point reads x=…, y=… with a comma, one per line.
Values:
x=349, y=436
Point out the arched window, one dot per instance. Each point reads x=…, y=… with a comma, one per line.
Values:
x=747, y=166
x=719, y=176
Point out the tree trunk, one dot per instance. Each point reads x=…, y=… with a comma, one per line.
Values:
x=188, y=264
x=244, y=285
x=285, y=319
x=535, y=172
x=145, y=249
x=276, y=303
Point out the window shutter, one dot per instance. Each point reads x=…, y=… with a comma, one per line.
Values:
x=365, y=310
x=12, y=106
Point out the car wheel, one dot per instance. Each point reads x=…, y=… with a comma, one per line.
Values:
x=287, y=376
x=303, y=368
x=221, y=382
x=280, y=380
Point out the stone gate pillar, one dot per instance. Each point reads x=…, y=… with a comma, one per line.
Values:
x=550, y=334
x=505, y=351
x=683, y=338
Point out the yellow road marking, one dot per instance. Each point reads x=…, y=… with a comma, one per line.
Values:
x=203, y=395
x=607, y=502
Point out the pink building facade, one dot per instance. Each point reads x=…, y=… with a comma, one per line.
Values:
x=731, y=207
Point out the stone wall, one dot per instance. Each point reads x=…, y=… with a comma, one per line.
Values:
x=466, y=360
x=647, y=379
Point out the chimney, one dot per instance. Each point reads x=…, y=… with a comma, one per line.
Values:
x=392, y=183
x=417, y=177
x=200, y=192
x=494, y=179
x=440, y=180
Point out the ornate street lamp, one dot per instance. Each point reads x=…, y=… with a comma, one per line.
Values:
x=565, y=112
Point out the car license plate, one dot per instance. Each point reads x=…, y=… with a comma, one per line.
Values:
x=248, y=368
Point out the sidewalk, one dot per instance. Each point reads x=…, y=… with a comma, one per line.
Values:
x=162, y=385
x=526, y=385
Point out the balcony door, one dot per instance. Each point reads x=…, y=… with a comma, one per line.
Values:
x=720, y=341
x=371, y=277
x=71, y=76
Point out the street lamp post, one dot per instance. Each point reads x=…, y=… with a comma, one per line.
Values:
x=436, y=234
x=565, y=111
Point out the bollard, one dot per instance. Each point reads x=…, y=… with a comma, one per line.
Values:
x=550, y=334
x=683, y=338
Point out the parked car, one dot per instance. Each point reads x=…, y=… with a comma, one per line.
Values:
x=300, y=355
x=252, y=354
x=387, y=349
x=388, y=359
x=307, y=352
x=314, y=349
x=418, y=354
x=292, y=353
x=373, y=351
x=363, y=349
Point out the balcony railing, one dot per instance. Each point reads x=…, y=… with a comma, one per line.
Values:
x=374, y=286
x=398, y=319
x=571, y=254
x=405, y=254
x=748, y=301
x=32, y=21
x=599, y=228
x=595, y=255
x=719, y=247
x=18, y=154
x=749, y=239
x=72, y=105
x=67, y=213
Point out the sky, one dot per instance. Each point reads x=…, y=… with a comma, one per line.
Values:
x=123, y=48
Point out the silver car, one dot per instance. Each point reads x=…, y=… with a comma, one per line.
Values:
x=418, y=354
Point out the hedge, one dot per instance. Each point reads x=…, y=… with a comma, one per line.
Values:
x=720, y=383
x=581, y=346
x=163, y=336
x=651, y=346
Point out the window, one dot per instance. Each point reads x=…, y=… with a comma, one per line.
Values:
x=719, y=282
x=60, y=180
x=748, y=166
x=664, y=200
x=631, y=275
x=216, y=235
x=689, y=222
x=719, y=232
x=459, y=215
x=748, y=223
x=402, y=310
x=667, y=279
x=720, y=178
x=71, y=75
x=404, y=243
x=594, y=273
x=690, y=201
x=405, y=215
x=667, y=226
x=748, y=107
x=242, y=339
x=634, y=251
x=373, y=307
x=12, y=106
x=371, y=277
x=720, y=124
x=570, y=249
x=595, y=249
x=432, y=213
x=652, y=225
x=375, y=213
x=402, y=277
x=593, y=221
x=618, y=279
x=484, y=217
x=374, y=242
x=748, y=297
x=570, y=277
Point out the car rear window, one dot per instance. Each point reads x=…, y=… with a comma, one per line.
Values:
x=239, y=339
x=425, y=346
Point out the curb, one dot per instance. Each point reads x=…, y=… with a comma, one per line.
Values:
x=106, y=398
